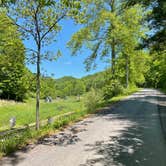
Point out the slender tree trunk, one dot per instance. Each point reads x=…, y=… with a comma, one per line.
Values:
x=113, y=56
x=38, y=89
x=127, y=71
x=38, y=43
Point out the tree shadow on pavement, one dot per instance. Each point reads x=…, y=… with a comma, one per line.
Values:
x=15, y=158
x=143, y=144
x=64, y=138
x=68, y=137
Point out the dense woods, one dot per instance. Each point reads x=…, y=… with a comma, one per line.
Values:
x=12, y=61
x=131, y=35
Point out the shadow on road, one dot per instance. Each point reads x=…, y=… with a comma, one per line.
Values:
x=68, y=137
x=14, y=159
x=140, y=145
x=143, y=144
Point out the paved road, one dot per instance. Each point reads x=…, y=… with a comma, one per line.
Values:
x=127, y=134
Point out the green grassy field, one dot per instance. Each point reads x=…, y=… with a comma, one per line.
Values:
x=25, y=112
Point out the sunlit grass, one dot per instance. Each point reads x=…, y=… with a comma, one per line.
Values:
x=25, y=112
x=11, y=142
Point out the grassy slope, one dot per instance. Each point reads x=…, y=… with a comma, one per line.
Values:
x=25, y=112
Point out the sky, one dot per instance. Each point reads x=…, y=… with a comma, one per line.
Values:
x=66, y=65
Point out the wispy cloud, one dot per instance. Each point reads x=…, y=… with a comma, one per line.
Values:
x=68, y=63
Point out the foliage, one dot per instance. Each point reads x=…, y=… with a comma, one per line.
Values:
x=113, y=88
x=12, y=57
x=116, y=31
x=69, y=86
x=156, y=76
x=156, y=41
x=92, y=100
x=95, y=81
x=48, y=87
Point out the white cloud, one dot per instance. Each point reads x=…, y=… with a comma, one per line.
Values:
x=68, y=63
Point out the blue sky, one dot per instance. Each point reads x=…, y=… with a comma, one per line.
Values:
x=66, y=65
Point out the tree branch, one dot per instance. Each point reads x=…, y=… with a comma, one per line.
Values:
x=32, y=50
x=51, y=27
x=19, y=26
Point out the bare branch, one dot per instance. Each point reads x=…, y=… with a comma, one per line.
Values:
x=51, y=27
x=32, y=50
x=29, y=60
x=19, y=26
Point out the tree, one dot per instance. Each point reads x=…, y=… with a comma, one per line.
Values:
x=156, y=41
x=79, y=88
x=48, y=87
x=12, y=56
x=39, y=21
x=112, y=30
x=157, y=22
x=132, y=31
x=98, y=31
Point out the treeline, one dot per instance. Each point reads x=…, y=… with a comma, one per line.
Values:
x=130, y=34
x=65, y=86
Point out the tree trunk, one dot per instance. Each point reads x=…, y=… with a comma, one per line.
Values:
x=127, y=71
x=113, y=56
x=38, y=90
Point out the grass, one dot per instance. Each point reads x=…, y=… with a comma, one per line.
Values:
x=14, y=141
x=163, y=90
x=126, y=93
x=25, y=112
x=18, y=140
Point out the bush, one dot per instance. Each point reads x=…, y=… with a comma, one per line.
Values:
x=92, y=100
x=112, y=89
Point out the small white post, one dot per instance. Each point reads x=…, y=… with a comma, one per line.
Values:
x=12, y=122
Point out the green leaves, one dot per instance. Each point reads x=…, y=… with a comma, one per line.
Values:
x=59, y=54
x=12, y=56
x=110, y=29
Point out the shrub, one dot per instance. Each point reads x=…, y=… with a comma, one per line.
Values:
x=114, y=88
x=92, y=100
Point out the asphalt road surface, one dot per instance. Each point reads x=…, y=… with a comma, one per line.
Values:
x=127, y=134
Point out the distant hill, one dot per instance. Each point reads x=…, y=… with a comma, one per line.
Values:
x=68, y=85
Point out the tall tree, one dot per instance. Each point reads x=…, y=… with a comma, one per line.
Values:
x=39, y=21
x=157, y=22
x=156, y=41
x=110, y=29
x=133, y=31
x=98, y=31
